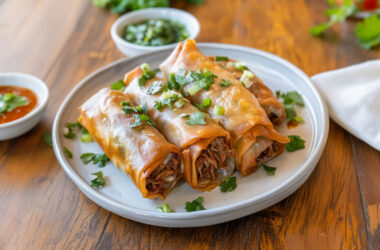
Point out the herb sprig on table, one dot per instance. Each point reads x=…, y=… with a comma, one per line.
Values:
x=366, y=31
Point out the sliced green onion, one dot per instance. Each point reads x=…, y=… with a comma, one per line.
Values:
x=218, y=110
x=179, y=103
x=245, y=78
x=145, y=67
x=240, y=66
x=86, y=138
x=194, y=89
x=221, y=58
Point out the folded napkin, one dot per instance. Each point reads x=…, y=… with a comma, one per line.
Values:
x=352, y=95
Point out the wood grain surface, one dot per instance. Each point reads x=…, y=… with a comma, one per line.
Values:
x=63, y=41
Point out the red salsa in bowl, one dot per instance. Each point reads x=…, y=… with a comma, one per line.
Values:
x=16, y=102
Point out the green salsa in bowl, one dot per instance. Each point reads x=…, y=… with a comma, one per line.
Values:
x=153, y=29
x=155, y=32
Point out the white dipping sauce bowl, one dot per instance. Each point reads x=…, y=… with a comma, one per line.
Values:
x=131, y=49
x=22, y=125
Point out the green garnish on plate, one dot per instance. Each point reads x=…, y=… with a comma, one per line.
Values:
x=97, y=159
x=296, y=143
x=165, y=208
x=269, y=170
x=195, y=205
x=228, y=185
x=99, y=181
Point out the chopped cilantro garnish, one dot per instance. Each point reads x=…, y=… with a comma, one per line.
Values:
x=195, y=205
x=269, y=170
x=165, y=208
x=142, y=109
x=181, y=78
x=68, y=152
x=68, y=131
x=126, y=108
x=221, y=58
x=290, y=112
x=148, y=74
x=119, y=85
x=158, y=105
x=179, y=104
x=296, y=143
x=278, y=94
x=137, y=121
x=225, y=83
x=293, y=97
x=155, y=88
x=200, y=80
x=99, y=181
x=196, y=118
x=9, y=102
x=146, y=118
x=47, y=138
x=368, y=32
x=205, y=104
x=228, y=185
x=97, y=159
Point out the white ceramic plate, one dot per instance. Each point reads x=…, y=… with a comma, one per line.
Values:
x=253, y=193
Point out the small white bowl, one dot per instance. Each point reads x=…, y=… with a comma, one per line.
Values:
x=22, y=125
x=130, y=49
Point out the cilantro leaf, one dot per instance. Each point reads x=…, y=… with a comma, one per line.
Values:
x=99, y=181
x=195, y=205
x=290, y=112
x=228, y=185
x=119, y=85
x=337, y=13
x=225, y=83
x=165, y=208
x=368, y=32
x=296, y=143
x=100, y=160
x=269, y=170
x=196, y=118
x=9, y=102
x=68, y=152
x=87, y=157
x=47, y=138
x=137, y=122
x=158, y=105
x=155, y=87
x=293, y=97
x=97, y=159
x=126, y=108
x=205, y=104
x=142, y=109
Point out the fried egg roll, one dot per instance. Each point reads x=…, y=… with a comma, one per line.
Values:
x=206, y=148
x=255, y=139
x=143, y=152
x=272, y=106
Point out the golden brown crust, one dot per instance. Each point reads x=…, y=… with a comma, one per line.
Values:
x=136, y=152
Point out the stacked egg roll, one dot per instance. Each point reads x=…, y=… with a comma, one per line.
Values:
x=143, y=153
x=255, y=139
x=206, y=148
x=272, y=106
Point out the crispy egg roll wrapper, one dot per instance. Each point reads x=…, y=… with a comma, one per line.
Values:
x=144, y=154
x=244, y=118
x=272, y=106
x=196, y=142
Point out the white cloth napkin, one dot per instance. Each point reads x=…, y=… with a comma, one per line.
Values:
x=352, y=95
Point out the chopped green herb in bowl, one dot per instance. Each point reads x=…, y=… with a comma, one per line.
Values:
x=155, y=32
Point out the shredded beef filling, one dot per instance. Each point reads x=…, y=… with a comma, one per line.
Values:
x=166, y=175
x=214, y=158
x=269, y=153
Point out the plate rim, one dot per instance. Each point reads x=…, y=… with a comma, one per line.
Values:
x=300, y=174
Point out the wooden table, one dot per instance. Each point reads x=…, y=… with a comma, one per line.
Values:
x=63, y=41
